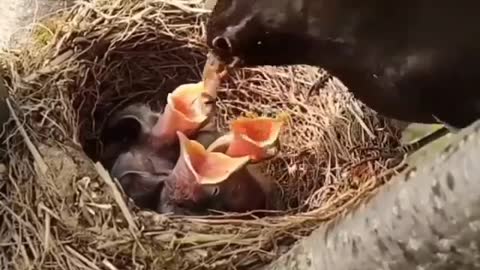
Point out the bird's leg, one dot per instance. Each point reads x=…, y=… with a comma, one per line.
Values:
x=414, y=146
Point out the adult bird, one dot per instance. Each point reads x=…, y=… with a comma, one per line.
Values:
x=414, y=61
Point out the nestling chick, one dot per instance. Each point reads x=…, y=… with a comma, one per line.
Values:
x=248, y=189
x=256, y=137
x=152, y=148
x=244, y=188
x=126, y=128
x=189, y=107
x=141, y=174
x=195, y=168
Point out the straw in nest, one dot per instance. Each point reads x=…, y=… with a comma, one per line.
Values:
x=61, y=211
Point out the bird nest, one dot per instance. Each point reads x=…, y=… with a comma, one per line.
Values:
x=61, y=210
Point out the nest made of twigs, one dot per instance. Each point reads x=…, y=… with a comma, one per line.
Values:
x=61, y=211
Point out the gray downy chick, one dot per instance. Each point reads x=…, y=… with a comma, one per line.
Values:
x=195, y=177
x=139, y=167
x=247, y=189
x=146, y=150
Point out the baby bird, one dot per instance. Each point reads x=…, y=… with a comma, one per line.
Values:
x=256, y=137
x=151, y=149
x=248, y=189
x=189, y=108
x=191, y=183
x=141, y=174
x=143, y=144
x=127, y=128
x=242, y=187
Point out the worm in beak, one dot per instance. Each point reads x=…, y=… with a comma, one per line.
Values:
x=213, y=73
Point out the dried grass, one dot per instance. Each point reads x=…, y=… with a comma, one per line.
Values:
x=60, y=211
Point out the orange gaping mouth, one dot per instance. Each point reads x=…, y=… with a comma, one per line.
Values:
x=261, y=131
x=188, y=103
x=186, y=111
x=206, y=167
x=253, y=137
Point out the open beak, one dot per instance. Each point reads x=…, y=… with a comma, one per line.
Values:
x=257, y=138
x=202, y=166
x=188, y=109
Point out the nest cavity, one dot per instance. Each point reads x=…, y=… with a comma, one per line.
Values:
x=61, y=210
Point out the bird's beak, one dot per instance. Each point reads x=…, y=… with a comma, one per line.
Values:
x=188, y=109
x=203, y=166
x=257, y=138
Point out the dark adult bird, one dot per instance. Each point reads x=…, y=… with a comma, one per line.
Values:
x=415, y=61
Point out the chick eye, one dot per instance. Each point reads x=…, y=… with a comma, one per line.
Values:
x=215, y=191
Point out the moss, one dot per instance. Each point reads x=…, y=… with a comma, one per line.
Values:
x=44, y=33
